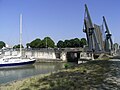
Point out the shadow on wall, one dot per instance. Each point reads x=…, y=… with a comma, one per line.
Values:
x=73, y=56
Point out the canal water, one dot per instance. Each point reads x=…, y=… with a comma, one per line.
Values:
x=8, y=75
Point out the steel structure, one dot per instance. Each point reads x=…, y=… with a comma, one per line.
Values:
x=91, y=33
x=108, y=39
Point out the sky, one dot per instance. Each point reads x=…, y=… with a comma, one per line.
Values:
x=58, y=19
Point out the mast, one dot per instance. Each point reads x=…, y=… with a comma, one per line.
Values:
x=46, y=42
x=21, y=34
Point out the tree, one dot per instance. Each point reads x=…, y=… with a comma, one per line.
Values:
x=27, y=45
x=72, y=43
x=48, y=42
x=75, y=42
x=67, y=43
x=35, y=43
x=2, y=44
x=83, y=42
x=17, y=46
x=38, y=43
x=60, y=44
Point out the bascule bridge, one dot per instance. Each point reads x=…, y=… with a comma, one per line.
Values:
x=98, y=36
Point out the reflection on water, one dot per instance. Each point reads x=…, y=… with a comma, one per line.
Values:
x=7, y=75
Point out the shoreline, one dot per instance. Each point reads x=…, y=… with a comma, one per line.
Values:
x=92, y=75
x=21, y=67
x=12, y=85
x=48, y=60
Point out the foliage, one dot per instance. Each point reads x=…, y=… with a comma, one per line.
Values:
x=47, y=41
x=67, y=43
x=66, y=65
x=35, y=43
x=27, y=45
x=38, y=43
x=83, y=42
x=75, y=42
x=17, y=46
x=2, y=44
x=60, y=44
x=72, y=43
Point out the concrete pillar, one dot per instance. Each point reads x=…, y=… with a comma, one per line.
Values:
x=63, y=56
x=53, y=55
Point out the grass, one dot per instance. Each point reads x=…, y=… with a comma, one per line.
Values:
x=81, y=77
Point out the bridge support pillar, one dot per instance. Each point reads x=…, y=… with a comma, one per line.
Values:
x=63, y=56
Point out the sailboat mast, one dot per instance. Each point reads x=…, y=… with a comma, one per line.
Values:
x=46, y=42
x=20, y=34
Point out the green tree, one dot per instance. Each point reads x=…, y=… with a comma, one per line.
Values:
x=35, y=43
x=27, y=45
x=60, y=44
x=17, y=46
x=83, y=42
x=2, y=44
x=67, y=43
x=48, y=42
x=72, y=43
x=75, y=42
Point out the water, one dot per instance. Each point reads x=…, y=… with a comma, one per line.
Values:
x=8, y=75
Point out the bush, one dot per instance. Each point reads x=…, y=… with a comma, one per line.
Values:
x=66, y=65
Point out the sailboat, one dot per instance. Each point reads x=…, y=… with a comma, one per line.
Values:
x=18, y=60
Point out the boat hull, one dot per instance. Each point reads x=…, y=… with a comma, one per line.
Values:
x=17, y=64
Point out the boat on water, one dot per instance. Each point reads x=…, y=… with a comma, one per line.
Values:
x=18, y=60
x=15, y=61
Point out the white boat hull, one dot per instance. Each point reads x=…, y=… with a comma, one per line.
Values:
x=16, y=62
